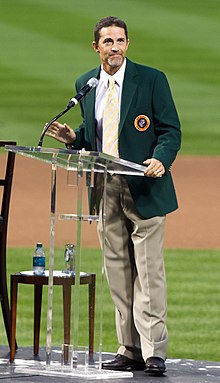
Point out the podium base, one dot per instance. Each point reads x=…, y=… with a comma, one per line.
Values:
x=178, y=371
x=84, y=369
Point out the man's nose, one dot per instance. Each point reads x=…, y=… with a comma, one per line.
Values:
x=115, y=47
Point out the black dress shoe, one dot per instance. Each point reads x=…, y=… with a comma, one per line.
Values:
x=155, y=366
x=123, y=363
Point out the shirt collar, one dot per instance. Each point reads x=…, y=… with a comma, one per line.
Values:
x=118, y=76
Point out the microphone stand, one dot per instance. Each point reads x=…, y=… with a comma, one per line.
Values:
x=69, y=106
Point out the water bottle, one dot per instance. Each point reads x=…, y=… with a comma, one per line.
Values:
x=39, y=260
x=69, y=257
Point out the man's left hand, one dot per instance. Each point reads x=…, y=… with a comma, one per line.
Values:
x=154, y=168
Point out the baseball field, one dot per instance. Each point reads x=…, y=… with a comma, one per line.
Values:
x=45, y=46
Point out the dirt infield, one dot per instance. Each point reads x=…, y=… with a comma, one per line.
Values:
x=196, y=224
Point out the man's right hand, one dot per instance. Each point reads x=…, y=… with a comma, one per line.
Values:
x=61, y=132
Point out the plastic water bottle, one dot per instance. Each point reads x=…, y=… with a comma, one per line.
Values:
x=39, y=260
x=69, y=257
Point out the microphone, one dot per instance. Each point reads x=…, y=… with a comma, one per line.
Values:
x=91, y=83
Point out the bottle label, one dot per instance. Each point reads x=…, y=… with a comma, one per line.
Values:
x=69, y=257
x=39, y=261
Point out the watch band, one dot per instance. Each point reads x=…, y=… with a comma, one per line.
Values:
x=69, y=146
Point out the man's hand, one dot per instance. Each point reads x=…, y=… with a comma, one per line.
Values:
x=154, y=168
x=61, y=132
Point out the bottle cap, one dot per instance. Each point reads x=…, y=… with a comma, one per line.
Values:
x=69, y=245
x=39, y=244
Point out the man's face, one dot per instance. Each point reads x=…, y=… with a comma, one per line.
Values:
x=112, y=47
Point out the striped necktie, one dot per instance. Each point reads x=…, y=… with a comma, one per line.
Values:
x=110, y=120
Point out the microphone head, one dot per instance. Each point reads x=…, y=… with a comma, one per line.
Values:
x=92, y=82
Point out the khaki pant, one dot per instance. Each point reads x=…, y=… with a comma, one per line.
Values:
x=134, y=266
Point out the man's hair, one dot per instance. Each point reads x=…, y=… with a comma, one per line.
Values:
x=108, y=22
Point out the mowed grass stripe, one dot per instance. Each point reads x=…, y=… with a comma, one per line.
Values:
x=46, y=46
x=193, y=303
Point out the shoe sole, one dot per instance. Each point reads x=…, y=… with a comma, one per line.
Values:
x=129, y=368
x=155, y=372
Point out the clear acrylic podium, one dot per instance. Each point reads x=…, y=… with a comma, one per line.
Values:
x=77, y=164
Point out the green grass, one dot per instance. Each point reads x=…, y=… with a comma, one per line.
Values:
x=46, y=45
x=193, y=303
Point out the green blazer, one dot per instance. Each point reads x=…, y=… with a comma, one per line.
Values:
x=146, y=98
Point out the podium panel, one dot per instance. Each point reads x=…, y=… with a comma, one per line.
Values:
x=81, y=166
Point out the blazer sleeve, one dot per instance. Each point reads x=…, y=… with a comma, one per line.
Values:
x=79, y=143
x=166, y=122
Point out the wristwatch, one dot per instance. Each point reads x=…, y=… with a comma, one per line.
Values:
x=69, y=146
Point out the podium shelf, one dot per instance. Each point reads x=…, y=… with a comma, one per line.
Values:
x=71, y=160
x=75, y=217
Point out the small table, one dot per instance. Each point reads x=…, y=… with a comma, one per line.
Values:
x=59, y=278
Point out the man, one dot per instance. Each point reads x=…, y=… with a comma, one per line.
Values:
x=148, y=132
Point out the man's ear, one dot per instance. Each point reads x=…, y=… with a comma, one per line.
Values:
x=95, y=47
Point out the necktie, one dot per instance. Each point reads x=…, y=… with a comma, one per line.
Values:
x=110, y=120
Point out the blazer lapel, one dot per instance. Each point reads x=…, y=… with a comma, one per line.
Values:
x=90, y=111
x=129, y=88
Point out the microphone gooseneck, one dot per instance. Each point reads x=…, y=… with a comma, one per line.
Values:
x=91, y=83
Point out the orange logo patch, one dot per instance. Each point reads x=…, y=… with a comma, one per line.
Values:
x=142, y=122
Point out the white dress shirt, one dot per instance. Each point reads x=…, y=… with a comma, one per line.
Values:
x=100, y=97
